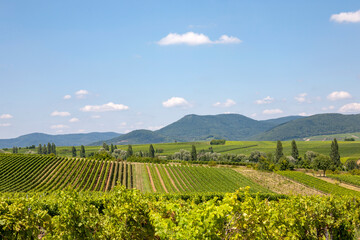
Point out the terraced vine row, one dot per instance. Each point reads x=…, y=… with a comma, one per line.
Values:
x=318, y=184
x=188, y=179
x=350, y=179
x=24, y=173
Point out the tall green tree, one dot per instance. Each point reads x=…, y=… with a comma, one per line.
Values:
x=151, y=151
x=44, y=149
x=112, y=148
x=105, y=146
x=193, y=153
x=294, y=150
x=129, y=152
x=73, y=151
x=49, y=149
x=82, y=151
x=279, y=151
x=40, y=149
x=53, y=148
x=334, y=154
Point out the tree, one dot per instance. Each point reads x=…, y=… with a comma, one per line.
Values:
x=334, y=154
x=322, y=162
x=151, y=151
x=40, y=149
x=82, y=151
x=49, y=149
x=284, y=163
x=15, y=150
x=351, y=164
x=73, y=151
x=294, y=150
x=193, y=153
x=112, y=148
x=53, y=147
x=44, y=149
x=129, y=152
x=105, y=146
x=279, y=151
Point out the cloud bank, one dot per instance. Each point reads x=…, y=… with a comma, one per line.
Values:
x=193, y=39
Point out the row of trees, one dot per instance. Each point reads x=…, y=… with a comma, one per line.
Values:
x=82, y=151
x=310, y=160
x=50, y=148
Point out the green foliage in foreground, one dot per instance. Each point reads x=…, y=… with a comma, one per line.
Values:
x=127, y=214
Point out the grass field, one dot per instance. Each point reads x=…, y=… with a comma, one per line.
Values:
x=24, y=173
x=347, y=149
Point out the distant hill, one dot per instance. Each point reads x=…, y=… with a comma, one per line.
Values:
x=59, y=140
x=136, y=137
x=201, y=128
x=320, y=124
x=278, y=121
x=228, y=126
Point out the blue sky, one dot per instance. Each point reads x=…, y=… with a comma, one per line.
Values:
x=143, y=64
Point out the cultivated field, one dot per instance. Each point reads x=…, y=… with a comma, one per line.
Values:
x=319, y=184
x=23, y=173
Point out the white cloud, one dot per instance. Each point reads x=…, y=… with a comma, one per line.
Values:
x=266, y=100
x=328, y=108
x=104, y=108
x=228, y=103
x=253, y=115
x=5, y=124
x=272, y=111
x=81, y=131
x=6, y=116
x=351, y=107
x=303, y=114
x=154, y=128
x=95, y=116
x=74, y=120
x=60, y=114
x=66, y=97
x=176, y=102
x=81, y=93
x=351, y=17
x=191, y=38
x=302, y=98
x=59, y=126
x=224, y=39
x=338, y=95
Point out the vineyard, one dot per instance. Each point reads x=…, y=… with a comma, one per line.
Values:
x=24, y=173
x=319, y=184
x=349, y=179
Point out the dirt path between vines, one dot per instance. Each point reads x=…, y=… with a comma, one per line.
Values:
x=161, y=180
x=151, y=180
x=336, y=182
x=171, y=180
x=109, y=177
x=277, y=183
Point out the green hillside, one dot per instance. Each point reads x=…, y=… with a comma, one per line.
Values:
x=201, y=128
x=136, y=137
x=60, y=140
x=321, y=124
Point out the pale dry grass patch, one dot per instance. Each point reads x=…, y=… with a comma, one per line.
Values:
x=276, y=182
